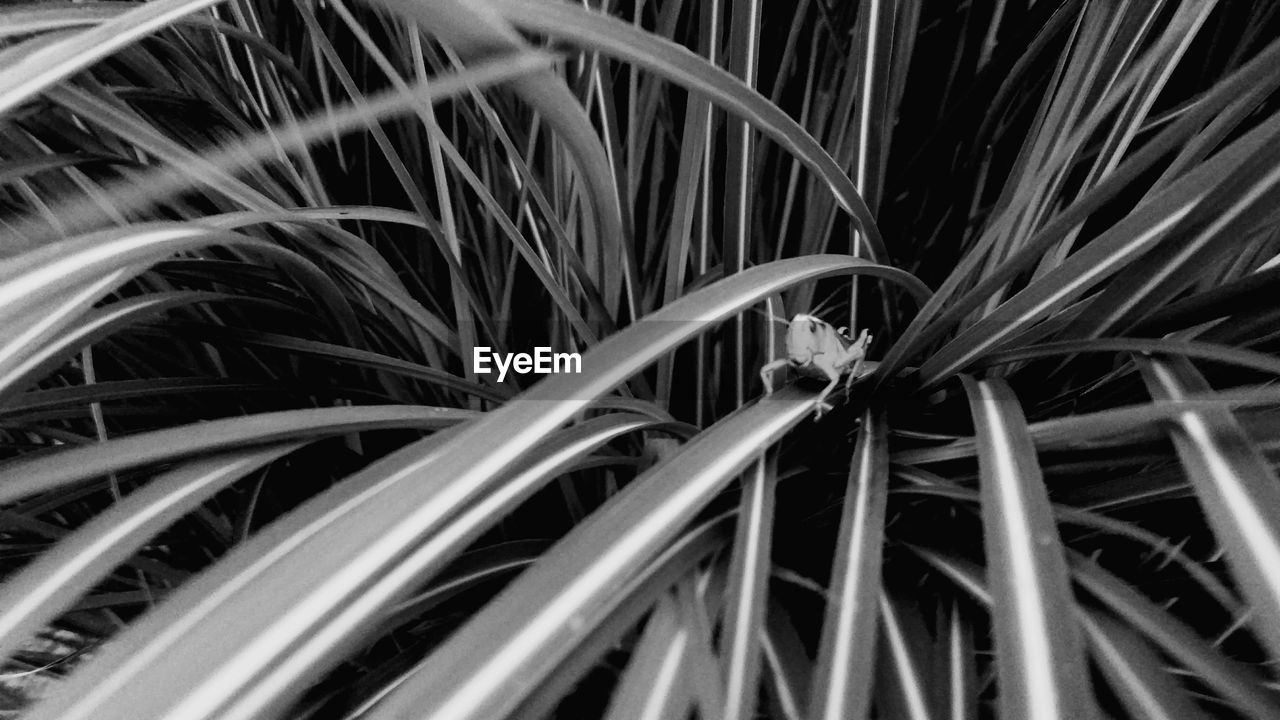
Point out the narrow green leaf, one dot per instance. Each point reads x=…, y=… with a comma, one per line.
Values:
x=743, y=60
x=25, y=477
x=843, y=680
x=906, y=692
x=1236, y=486
x=38, y=70
x=477, y=30
x=1136, y=673
x=1040, y=659
x=1066, y=514
x=652, y=686
x=747, y=591
x=789, y=668
x=480, y=674
x=1216, y=230
x=45, y=290
x=678, y=561
x=934, y=320
x=404, y=511
x=161, y=183
x=74, y=400
x=30, y=363
x=51, y=584
x=959, y=698
x=686, y=195
x=1237, y=684
x=614, y=37
x=1225, y=354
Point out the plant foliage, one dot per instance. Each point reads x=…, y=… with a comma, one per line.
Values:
x=249, y=469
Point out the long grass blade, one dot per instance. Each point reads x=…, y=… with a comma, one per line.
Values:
x=476, y=31
x=678, y=561
x=748, y=590
x=1236, y=486
x=653, y=685
x=480, y=674
x=464, y=467
x=615, y=37
x=45, y=67
x=842, y=684
x=904, y=687
x=1041, y=664
x=52, y=583
x=1136, y=673
x=25, y=477
x=1237, y=684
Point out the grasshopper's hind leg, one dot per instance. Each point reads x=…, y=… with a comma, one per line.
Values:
x=853, y=374
x=823, y=405
x=856, y=354
x=766, y=374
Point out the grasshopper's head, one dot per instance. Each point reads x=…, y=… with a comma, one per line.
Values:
x=805, y=338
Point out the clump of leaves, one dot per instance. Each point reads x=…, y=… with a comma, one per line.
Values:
x=249, y=470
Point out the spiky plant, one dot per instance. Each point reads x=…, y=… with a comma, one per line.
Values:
x=250, y=469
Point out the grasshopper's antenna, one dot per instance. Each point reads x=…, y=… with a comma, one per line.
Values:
x=774, y=318
x=817, y=311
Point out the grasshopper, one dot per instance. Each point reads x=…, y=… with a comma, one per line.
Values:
x=817, y=350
